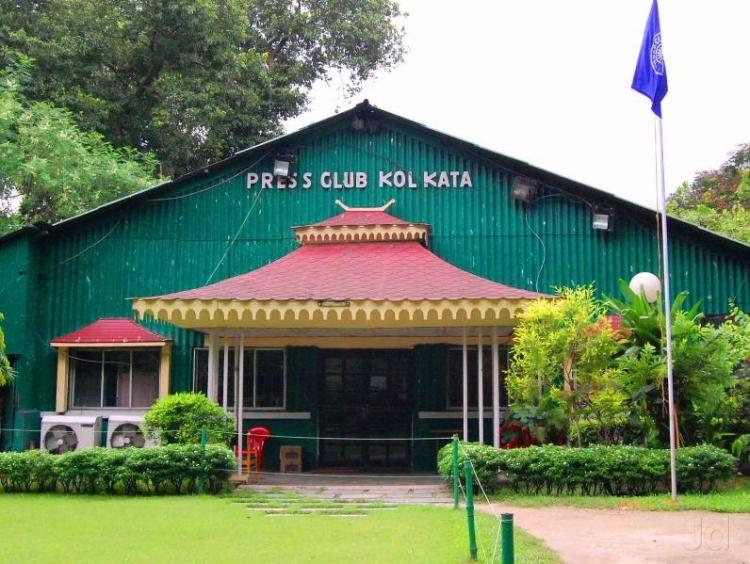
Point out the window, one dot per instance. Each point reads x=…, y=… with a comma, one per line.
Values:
x=114, y=378
x=455, y=377
x=264, y=382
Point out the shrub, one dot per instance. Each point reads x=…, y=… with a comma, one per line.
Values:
x=22, y=471
x=167, y=469
x=599, y=470
x=179, y=418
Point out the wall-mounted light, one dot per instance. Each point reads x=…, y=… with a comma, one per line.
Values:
x=603, y=219
x=523, y=189
x=283, y=164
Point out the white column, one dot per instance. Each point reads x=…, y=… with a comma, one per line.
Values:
x=480, y=388
x=238, y=399
x=225, y=375
x=495, y=391
x=465, y=382
x=213, y=366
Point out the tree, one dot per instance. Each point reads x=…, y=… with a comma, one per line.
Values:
x=49, y=168
x=6, y=372
x=195, y=80
x=719, y=199
x=705, y=358
x=560, y=366
x=571, y=371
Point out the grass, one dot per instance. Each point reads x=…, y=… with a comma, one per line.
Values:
x=733, y=498
x=58, y=528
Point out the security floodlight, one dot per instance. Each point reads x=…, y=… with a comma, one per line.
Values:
x=283, y=165
x=603, y=220
x=523, y=189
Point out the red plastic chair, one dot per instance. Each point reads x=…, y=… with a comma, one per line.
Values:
x=253, y=456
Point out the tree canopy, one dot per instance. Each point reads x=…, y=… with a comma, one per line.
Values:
x=193, y=81
x=49, y=168
x=719, y=199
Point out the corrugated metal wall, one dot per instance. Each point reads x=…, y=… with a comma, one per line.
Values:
x=177, y=240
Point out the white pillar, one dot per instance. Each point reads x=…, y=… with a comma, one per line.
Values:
x=465, y=382
x=480, y=388
x=495, y=391
x=238, y=399
x=225, y=375
x=213, y=366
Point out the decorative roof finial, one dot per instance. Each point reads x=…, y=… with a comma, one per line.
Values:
x=382, y=208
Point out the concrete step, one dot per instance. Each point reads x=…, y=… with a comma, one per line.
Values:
x=398, y=494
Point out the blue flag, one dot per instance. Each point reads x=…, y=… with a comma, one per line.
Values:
x=650, y=77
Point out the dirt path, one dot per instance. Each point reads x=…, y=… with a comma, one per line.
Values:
x=603, y=536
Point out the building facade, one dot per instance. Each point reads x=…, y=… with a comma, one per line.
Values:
x=382, y=355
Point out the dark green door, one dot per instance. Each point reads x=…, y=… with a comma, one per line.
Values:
x=365, y=394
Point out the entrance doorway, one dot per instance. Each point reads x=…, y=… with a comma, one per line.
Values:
x=366, y=394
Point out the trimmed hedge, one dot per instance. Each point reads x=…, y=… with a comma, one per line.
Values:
x=598, y=470
x=174, y=469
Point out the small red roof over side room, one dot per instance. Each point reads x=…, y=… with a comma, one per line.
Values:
x=392, y=271
x=112, y=330
x=362, y=217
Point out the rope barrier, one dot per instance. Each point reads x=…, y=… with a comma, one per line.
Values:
x=489, y=503
x=233, y=433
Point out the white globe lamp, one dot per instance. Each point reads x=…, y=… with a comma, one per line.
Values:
x=646, y=283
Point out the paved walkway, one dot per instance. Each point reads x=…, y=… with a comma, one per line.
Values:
x=604, y=536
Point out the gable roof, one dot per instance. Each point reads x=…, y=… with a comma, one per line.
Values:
x=110, y=330
x=514, y=166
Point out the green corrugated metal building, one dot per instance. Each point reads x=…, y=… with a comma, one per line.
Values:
x=221, y=221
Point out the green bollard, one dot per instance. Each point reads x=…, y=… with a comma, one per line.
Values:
x=202, y=479
x=470, y=509
x=506, y=528
x=455, y=472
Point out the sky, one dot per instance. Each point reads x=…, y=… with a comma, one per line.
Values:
x=548, y=82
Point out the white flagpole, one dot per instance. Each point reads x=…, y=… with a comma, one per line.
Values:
x=662, y=198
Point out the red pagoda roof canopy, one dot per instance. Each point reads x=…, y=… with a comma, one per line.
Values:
x=378, y=271
x=111, y=330
x=361, y=268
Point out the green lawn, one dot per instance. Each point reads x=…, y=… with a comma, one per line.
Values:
x=733, y=498
x=57, y=528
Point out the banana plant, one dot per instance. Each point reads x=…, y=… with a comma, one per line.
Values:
x=643, y=318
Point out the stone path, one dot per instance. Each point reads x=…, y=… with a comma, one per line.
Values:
x=603, y=536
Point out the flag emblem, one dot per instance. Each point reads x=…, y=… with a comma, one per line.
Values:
x=657, y=57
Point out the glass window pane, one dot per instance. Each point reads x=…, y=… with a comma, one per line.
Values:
x=200, y=371
x=116, y=379
x=230, y=378
x=86, y=378
x=269, y=378
x=247, y=382
x=145, y=377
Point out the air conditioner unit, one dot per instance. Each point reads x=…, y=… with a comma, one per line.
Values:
x=66, y=433
x=127, y=431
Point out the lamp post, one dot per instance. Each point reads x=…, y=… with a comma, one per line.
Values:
x=649, y=285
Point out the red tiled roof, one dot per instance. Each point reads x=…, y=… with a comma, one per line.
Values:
x=110, y=330
x=357, y=271
x=362, y=217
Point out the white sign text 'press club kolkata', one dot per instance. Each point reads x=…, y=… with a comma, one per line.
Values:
x=361, y=180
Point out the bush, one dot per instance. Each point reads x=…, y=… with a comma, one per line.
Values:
x=598, y=470
x=167, y=469
x=179, y=418
x=22, y=471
